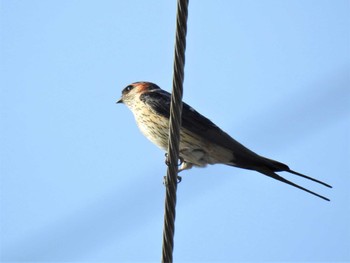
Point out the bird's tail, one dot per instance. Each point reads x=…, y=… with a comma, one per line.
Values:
x=273, y=175
x=281, y=167
x=272, y=166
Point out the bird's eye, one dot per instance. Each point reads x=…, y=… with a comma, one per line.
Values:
x=128, y=88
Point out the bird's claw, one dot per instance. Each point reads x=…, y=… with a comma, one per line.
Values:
x=165, y=181
x=166, y=159
x=167, y=162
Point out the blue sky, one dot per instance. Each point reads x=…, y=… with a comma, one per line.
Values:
x=80, y=183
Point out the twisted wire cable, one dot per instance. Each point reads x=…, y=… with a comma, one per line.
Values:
x=174, y=131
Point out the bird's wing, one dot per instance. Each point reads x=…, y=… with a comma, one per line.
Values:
x=196, y=123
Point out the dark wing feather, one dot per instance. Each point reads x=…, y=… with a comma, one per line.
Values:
x=193, y=121
x=158, y=100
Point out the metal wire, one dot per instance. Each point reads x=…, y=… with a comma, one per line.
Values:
x=174, y=131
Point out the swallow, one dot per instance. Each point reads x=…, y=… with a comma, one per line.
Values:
x=201, y=141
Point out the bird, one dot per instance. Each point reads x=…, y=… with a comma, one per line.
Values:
x=201, y=141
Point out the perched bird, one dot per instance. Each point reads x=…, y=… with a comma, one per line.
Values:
x=201, y=141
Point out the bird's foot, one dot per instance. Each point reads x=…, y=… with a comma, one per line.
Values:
x=165, y=181
x=180, y=164
x=167, y=162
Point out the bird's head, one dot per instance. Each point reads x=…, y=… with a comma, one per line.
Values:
x=131, y=93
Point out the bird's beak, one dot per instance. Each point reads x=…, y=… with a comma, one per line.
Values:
x=120, y=100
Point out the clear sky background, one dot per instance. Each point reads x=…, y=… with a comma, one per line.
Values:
x=80, y=183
